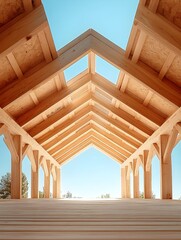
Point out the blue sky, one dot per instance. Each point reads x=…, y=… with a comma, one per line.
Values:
x=92, y=173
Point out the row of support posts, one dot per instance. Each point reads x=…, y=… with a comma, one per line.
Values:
x=163, y=150
x=18, y=151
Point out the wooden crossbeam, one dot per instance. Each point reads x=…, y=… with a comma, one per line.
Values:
x=19, y=32
x=159, y=28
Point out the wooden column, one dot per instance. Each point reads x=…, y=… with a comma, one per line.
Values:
x=14, y=144
x=35, y=177
x=47, y=181
x=147, y=176
x=123, y=182
x=127, y=185
x=16, y=168
x=56, y=184
x=165, y=169
x=136, y=193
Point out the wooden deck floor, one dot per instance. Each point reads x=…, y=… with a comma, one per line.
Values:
x=77, y=219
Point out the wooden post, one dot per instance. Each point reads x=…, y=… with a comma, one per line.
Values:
x=123, y=183
x=35, y=177
x=56, y=184
x=135, y=180
x=47, y=181
x=147, y=176
x=165, y=169
x=127, y=185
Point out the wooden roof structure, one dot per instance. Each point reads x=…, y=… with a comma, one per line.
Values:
x=59, y=118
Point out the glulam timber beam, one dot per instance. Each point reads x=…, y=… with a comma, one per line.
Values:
x=110, y=89
x=19, y=32
x=53, y=101
x=159, y=28
x=17, y=130
x=166, y=128
x=41, y=127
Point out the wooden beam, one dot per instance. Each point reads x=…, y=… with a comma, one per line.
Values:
x=15, y=65
x=109, y=143
x=123, y=115
x=109, y=88
x=153, y=5
x=92, y=63
x=44, y=46
x=53, y=101
x=156, y=26
x=32, y=159
x=62, y=136
x=119, y=125
x=166, y=65
x=39, y=128
x=19, y=32
x=178, y=127
x=126, y=150
x=60, y=147
x=139, y=46
x=134, y=144
x=164, y=129
x=16, y=129
x=116, y=56
x=28, y=6
x=16, y=90
x=52, y=134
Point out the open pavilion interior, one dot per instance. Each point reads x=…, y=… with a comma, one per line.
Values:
x=51, y=120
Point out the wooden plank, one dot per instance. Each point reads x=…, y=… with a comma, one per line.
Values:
x=159, y=28
x=16, y=129
x=19, y=32
x=153, y=5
